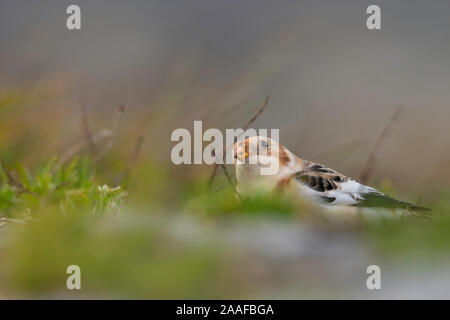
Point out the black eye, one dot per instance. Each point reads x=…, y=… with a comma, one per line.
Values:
x=264, y=144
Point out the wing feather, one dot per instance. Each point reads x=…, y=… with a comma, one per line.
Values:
x=331, y=187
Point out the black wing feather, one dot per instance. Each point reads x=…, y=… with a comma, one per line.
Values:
x=380, y=200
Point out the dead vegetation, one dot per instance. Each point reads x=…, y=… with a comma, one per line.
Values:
x=225, y=148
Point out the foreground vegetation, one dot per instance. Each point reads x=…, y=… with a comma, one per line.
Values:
x=148, y=230
x=58, y=215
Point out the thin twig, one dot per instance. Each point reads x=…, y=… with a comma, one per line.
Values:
x=371, y=160
x=115, y=127
x=92, y=139
x=132, y=161
x=16, y=183
x=230, y=181
x=266, y=103
x=247, y=125
x=78, y=147
x=86, y=127
x=121, y=111
x=213, y=175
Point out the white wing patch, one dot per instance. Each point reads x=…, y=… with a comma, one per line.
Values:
x=350, y=192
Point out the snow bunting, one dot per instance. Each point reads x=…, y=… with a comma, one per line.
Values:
x=310, y=180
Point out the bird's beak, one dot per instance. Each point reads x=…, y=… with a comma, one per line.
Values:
x=240, y=153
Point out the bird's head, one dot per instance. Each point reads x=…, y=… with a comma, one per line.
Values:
x=262, y=152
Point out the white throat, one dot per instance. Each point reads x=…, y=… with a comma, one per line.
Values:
x=249, y=176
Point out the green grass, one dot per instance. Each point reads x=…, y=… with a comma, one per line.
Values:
x=24, y=193
x=118, y=257
x=74, y=218
x=225, y=202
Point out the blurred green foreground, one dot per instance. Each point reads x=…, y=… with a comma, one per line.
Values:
x=144, y=229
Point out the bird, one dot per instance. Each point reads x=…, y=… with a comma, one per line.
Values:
x=312, y=181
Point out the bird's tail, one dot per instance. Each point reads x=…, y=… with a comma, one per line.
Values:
x=375, y=199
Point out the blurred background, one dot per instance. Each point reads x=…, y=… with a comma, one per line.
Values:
x=103, y=101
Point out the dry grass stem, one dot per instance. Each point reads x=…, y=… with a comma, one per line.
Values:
x=371, y=160
x=247, y=125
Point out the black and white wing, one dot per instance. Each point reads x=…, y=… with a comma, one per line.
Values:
x=330, y=187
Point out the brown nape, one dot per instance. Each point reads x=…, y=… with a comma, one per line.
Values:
x=283, y=156
x=247, y=146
